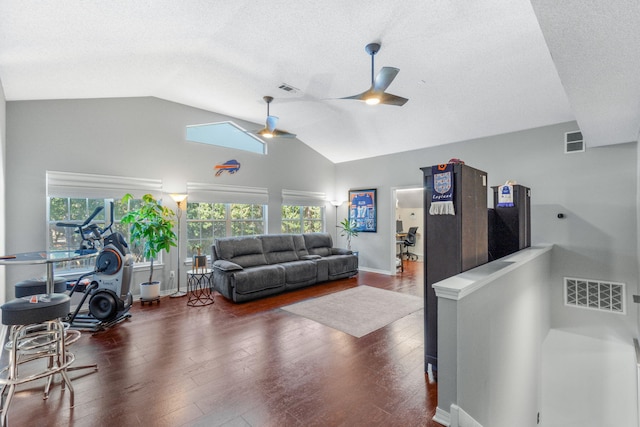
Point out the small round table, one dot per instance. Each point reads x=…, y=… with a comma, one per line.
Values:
x=45, y=257
x=199, y=287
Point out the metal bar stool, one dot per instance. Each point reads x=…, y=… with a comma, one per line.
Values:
x=39, y=286
x=36, y=333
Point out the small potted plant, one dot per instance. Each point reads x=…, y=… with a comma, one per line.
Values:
x=150, y=225
x=348, y=230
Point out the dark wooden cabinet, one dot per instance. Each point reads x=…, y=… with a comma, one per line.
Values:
x=452, y=243
x=510, y=227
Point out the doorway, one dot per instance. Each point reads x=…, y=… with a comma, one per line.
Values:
x=408, y=212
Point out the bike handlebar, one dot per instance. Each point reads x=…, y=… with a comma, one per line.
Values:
x=87, y=226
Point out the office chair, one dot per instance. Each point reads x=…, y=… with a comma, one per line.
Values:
x=410, y=241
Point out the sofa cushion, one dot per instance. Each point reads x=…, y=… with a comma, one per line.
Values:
x=279, y=248
x=318, y=243
x=259, y=278
x=244, y=250
x=299, y=273
x=300, y=245
x=225, y=265
x=342, y=264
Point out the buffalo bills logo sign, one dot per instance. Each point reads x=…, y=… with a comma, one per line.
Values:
x=231, y=166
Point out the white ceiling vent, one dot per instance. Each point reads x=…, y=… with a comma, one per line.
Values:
x=594, y=295
x=573, y=142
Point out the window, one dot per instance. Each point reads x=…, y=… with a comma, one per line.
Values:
x=226, y=134
x=208, y=221
x=76, y=210
x=302, y=219
x=302, y=211
x=223, y=211
x=72, y=197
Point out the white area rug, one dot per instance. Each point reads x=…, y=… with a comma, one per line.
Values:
x=358, y=311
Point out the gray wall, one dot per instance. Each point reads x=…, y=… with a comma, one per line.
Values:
x=3, y=144
x=135, y=137
x=596, y=190
x=144, y=137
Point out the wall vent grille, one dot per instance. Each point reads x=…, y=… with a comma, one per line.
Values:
x=573, y=142
x=595, y=295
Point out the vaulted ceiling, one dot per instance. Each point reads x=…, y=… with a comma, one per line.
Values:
x=469, y=68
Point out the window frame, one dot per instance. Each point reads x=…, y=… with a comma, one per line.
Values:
x=302, y=220
x=228, y=221
x=107, y=188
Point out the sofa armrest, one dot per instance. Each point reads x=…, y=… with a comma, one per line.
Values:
x=225, y=265
x=341, y=251
x=310, y=257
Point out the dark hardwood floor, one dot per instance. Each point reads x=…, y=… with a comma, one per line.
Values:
x=248, y=364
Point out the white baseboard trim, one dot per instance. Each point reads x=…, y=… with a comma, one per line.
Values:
x=442, y=417
x=459, y=418
x=375, y=270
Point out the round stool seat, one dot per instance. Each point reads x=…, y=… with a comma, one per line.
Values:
x=39, y=286
x=35, y=309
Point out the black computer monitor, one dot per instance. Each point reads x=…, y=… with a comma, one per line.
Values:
x=399, y=228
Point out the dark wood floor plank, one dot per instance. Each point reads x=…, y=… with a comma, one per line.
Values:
x=246, y=365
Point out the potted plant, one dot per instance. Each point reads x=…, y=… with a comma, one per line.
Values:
x=150, y=225
x=348, y=230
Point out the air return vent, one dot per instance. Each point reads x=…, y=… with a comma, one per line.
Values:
x=594, y=295
x=288, y=88
x=573, y=142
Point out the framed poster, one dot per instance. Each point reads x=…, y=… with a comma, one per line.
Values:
x=362, y=210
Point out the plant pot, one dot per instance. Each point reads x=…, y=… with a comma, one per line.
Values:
x=199, y=263
x=149, y=290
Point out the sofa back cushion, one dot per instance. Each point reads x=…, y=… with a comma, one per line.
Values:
x=300, y=245
x=245, y=251
x=279, y=248
x=318, y=243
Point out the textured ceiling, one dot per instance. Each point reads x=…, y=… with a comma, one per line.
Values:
x=469, y=69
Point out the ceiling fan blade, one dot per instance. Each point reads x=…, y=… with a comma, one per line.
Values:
x=283, y=134
x=272, y=121
x=384, y=78
x=276, y=133
x=264, y=132
x=360, y=97
x=390, y=99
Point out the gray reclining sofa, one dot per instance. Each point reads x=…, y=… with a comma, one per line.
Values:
x=250, y=267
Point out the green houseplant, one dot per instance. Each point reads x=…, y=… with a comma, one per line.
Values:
x=347, y=230
x=151, y=226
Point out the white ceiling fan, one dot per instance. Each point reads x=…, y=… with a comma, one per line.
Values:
x=270, y=131
x=376, y=93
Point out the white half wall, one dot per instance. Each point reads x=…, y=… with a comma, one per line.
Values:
x=492, y=321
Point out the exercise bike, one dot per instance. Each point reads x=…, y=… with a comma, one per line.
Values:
x=109, y=285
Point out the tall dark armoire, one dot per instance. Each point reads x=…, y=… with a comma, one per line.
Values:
x=452, y=243
x=510, y=226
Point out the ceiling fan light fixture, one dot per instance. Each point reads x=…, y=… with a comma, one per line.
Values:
x=270, y=131
x=379, y=83
x=265, y=133
x=373, y=100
